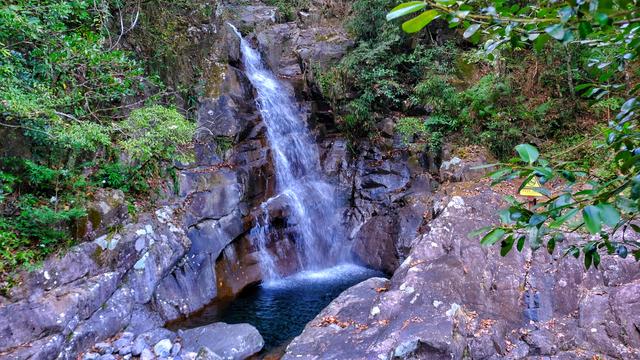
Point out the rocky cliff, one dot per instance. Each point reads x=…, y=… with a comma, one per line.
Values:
x=453, y=299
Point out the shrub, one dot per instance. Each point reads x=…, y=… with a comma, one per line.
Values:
x=157, y=133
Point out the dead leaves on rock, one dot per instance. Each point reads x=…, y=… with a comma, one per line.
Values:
x=332, y=320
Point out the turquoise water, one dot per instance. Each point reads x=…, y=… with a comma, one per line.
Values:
x=280, y=309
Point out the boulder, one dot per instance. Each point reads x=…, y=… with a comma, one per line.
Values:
x=375, y=244
x=107, y=210
x=247, y=18
x=463, y=166
x=452, y=298
x=238, y=341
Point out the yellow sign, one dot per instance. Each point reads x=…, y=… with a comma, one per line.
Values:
x=529, y=188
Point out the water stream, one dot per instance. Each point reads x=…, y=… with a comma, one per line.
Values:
x=280, y=306
x=299, y=182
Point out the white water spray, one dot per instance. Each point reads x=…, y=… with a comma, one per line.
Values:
x=320, y=243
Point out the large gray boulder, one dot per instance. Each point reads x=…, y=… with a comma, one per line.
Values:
x=89, y=294
x=232, y=342
x=453, y=299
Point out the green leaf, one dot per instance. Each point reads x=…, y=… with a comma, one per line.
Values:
x=551, y=246
x=583, y=87
x=609, y=214
x=587, y=260
x=471, y=30
x=537, y=219
x=602, y=18
x=493, y=237
x=478, y=232
x=596, y=259
x=622, y=251
x=565, y=13
x=556, y=31
x=416, y=24
x=584, y=29
x=528, y=153
x=405, y=8
x=562, y=219
x=540, y=41
x=505, y=216
x=506, y=245
x=534, y=238
x=592, y=221
x=520, y=244
x=485, y=166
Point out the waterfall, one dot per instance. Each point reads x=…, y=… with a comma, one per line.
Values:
x=311, y=200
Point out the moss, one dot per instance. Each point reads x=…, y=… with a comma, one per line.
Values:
x=223, y=145
x=94, y=218
x=215, y=76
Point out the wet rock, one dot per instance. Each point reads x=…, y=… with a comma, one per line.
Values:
x=237, y=341
x=163, y=348
x=205, y=354
x=224, y=112
x=147, y=355
x=109, y=320
x=276, y=43
x=152, y=337
x=375, y=243
x=45, y=348
x=217, y=201
x=188, y=288
x=143, y=319
x=27, y=319
x=541, y=342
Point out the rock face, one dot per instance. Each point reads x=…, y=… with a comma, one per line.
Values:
x=137, y=275
x=235, y=342
x=89, y=294
x=453, y=299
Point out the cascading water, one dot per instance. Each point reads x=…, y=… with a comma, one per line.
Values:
x=318, y=239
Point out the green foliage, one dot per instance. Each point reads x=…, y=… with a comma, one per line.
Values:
x=6, y=184
x=157, y=133
x=68, y=87
x=369, y=18
x=288, y=8
x=608, y=205
x=409, y=128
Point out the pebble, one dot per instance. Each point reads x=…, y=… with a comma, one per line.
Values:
x=138, y=346
x=90, y=356
x=127, y=335
x=146, y=355
x=175, y=350
x=107, y=357
x=125, y=350
x=121, y=345
x=104, y=348
x=163, y=348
